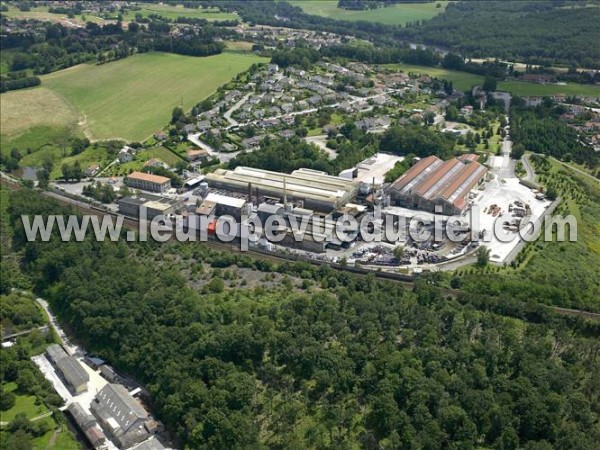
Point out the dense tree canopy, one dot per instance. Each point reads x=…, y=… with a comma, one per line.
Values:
x=539, y=130
x=532, y=31
x=354, y=363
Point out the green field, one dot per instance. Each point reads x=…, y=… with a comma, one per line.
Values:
x=465, y=81
x=523, y=88
x=168, y=11
x=133, y=97
x=25, y=109
x=391, y=15
x=461, y=80
x=173, y=12
x=41, y=13
x=24, y=404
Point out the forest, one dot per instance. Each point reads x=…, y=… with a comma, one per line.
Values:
x=322, y=358
x=539, y=130
x=526, y=30
x=543, y=33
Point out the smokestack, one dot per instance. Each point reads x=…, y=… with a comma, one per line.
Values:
x=284, y=192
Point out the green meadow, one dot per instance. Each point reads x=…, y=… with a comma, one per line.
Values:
x=175, y=11
x=465, y=81
x=461, y=80
x=131, y=98
x=523, y=88
x=398, y=14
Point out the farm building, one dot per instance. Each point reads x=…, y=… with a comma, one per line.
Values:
x=314, y=189
x=147, y=182
x=433, y=182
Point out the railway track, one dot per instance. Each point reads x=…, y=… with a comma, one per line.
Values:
x=405, y=280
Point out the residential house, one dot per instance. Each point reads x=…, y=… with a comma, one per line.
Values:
x=466, y=111
x=197, y=155
x=253, y=142
x=287, y=134
x=126, y=154
x=92, y=170
x=155, y=162
x=203, y=126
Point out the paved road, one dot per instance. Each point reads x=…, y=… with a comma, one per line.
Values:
x=530, y=173
x=70, y=348
x=321, y=142
x=234, y=108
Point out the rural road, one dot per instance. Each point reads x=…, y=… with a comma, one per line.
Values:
x=530, y=176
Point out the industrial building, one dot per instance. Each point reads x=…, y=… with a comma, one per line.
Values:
x=433, y=182
x=147, y=182
x=311, y=188
x=224, y=205
x=122, y=417
x=55, y=352
x=87, y=424
x=74, y=374
x=154, y=204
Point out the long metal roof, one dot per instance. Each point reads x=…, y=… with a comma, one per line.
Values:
x=434, y=179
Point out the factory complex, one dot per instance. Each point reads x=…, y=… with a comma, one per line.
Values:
x=439, y=186
x=444, y=192
x=106, y=408
x=311, y=188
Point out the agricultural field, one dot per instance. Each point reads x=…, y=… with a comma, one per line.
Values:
x=27, y=108
x=398, y=14
x=175, y=11
x=238, y=46
x=461, y=80
x=523, y=88
x=42, y=13
x=465, y=81
x=133, y=97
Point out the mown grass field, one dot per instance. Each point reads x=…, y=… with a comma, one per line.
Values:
x=42, y=13
x=523, y=88
x=168, y=11
x=133, y=97
x=28, y=108
x=392, y=15
x=173, y=12
x=238, y=46
x=465, y=81
x=461, y=80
